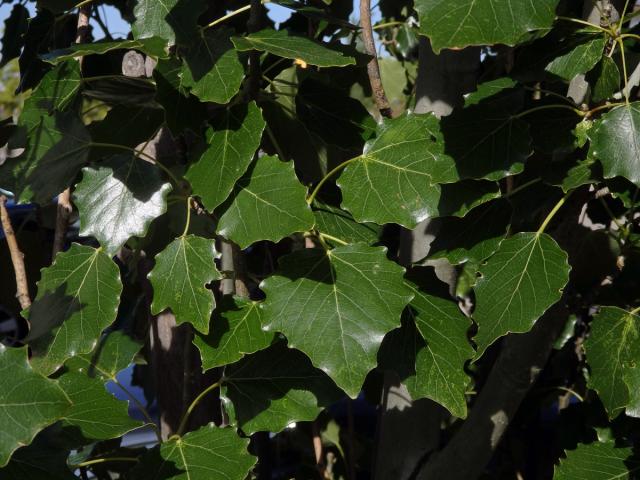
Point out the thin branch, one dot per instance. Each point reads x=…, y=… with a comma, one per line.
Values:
x=17, y=257
x=373, y=68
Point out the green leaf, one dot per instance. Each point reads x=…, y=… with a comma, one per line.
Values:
x=460, y=23
x=275, y=387
x=232, y=142
x=580, y=58
x=613, y=355
x=607, y=79
x=472, y=238
x=430, y=350
x=211, y=67
x=486, y=140
x=29, y=401
x=97, y=413
x=58, y=88
x=15, y=26
x=78, y=297
x=114, y=353
x=179, y=277
x=393, y=181
x=153, y=46
x=209, y=453
x=517, y=285
x=336, y=306
x=236, y=330
x=174, y=21
x=340, y=224
x=282, y=44
x=267, y=203
x=458, y=199
x=616, y=142
x=118, y=199
x=598, y=461
x=57, y=148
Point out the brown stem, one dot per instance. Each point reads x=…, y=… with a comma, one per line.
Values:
x=65, y=208
x=17, y=257
x=255, y=74
x=373, y=68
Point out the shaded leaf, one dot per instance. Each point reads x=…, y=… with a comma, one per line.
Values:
x=78, y=297
x=267, y=203
x=152, y=46
x=282, y=44
x=460, y=23
x=236, y=330
x=598, y=461
x=340, y=224
x=517, y=285
x=179, y=277
x=209, y=453
x=394, y=180
x=175, y=21
x=616, y=142
x=114, y=353
x=323, y=303
x=607, y=79
x=613, y=355
x=275, y=387
x=232, y=143
x=58, y=88
x=458, y=199
x=118, y=199
x=582, y=57
x=31, y=403
x=472, y=238
x=211, y=67
x=15, y=26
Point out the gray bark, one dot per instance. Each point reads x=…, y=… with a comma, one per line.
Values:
x=409, y=430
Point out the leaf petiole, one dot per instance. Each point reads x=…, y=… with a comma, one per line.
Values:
x=553, y=212
x=194, y=404
x=328, y=176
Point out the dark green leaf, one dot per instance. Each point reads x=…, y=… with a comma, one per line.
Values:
x=613, y=355
x=58, y=88
x=153, y=46
x=29, y=401
x=458, y=199
x=282, y=44
x=232, y=143
x=114, y=353
x=210, y=453
x=472, y=238
x=78, y=297
x=275, y=387
x=460, y=23
x=119, y=199
x=607, y=80
x=179, y=277
x=211, y=67
x=323, y=303
x=598, y=461
x=15, y=26
x=394, y=180
x=616, y=142
x=175, y=21
x=517, y=285
x=579, y=59
x=236, y=330
x=267, y=203
x=340, y=224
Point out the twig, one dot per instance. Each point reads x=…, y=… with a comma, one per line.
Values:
x=64, y=207
x=373, y=68
x=17, y=257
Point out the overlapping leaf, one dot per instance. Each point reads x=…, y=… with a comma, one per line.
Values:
x=460, y=23
x=394, y=180
x=267, y=203
x=172, y=20
x=153, y=46
x=598, y=461
x=179, y=277
x=236, y=329
x=616, y=142
x=28, y=402
x=517, y=285
x=78, y=297
x=271, y=389
x=340, y=224
x=613, y=355
x=210, y=453
x=211, y=67
x=118, y=199
x=584, y=55
x=282, y=44
x=232, y=142
x=336, y=306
